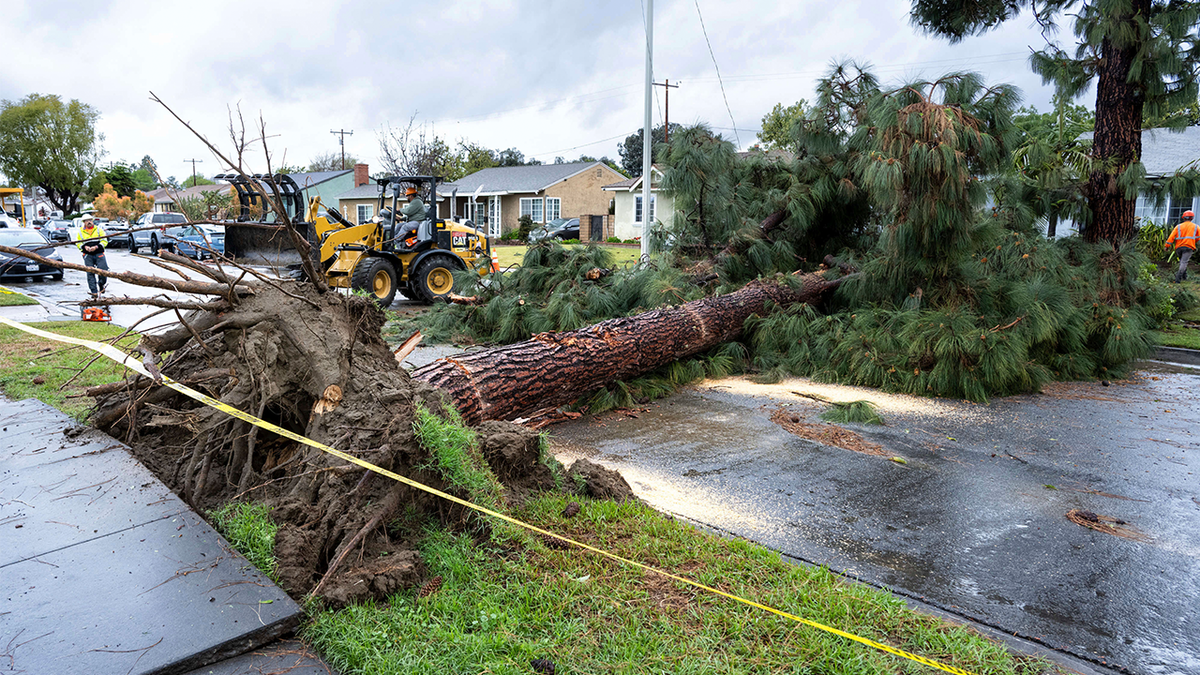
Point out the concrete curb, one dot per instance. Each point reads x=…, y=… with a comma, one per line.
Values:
x=1187, y=357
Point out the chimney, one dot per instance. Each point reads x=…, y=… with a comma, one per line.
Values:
x=361, y=175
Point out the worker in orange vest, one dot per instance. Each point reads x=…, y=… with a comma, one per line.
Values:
x=1184, y=237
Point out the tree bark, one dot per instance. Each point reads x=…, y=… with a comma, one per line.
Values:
x=553, y=369
x=1118, y=138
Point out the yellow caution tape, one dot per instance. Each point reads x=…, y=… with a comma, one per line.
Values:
x=134, y=364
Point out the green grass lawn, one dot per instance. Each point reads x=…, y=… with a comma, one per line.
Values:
x=512, y=255
x=12, y=298
x=25, y=359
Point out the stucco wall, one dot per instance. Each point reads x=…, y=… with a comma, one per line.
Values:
x=626, y=228
x=582, y=194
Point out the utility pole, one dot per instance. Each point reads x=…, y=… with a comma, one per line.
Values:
x=646, y=131
x=193, y=161
x=667, y=87
x=342, y=134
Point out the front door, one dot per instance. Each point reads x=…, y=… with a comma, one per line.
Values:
x=494, y=217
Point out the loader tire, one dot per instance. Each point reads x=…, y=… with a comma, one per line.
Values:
x=434, y=277
x=377, y=277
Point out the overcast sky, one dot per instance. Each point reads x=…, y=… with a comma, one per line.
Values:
x=550, y=78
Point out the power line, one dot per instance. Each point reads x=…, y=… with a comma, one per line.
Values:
x=718, y=69
x=603, y=140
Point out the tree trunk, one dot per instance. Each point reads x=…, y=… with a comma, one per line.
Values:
x=1052, y=224
x=556, y=368
x=1118, y=137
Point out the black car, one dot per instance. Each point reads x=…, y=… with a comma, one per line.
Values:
x=31, y=240
x=58, y=230
x=560, y=229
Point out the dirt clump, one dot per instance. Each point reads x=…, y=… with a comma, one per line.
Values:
x=598, y=482
x=315, y=364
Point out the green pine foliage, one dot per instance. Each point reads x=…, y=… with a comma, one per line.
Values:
x=957, y=292
x=854, y=412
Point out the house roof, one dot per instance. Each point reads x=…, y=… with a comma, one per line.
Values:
x=503, y=180
x=1165, y=152
x=314, y=178
x=635, y=183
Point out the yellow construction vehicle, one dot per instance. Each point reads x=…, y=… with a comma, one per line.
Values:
x=385, y=256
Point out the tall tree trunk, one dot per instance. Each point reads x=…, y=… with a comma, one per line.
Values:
x=1119, y=104
x=553, y=369
x=1052, y=224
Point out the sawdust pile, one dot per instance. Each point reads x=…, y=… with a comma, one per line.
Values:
x=829, y=434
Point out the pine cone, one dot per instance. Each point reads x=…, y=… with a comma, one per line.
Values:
x=430, y=587
x=554, y=542
x=572, y=509
x=544, y=666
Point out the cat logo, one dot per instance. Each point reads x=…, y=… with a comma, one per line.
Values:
x=458, y=241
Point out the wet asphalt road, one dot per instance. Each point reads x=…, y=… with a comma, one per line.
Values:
x=975, y=522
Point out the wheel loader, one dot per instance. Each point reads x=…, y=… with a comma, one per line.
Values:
x=385, y=256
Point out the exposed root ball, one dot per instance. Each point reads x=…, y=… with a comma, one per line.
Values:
x=314, y=364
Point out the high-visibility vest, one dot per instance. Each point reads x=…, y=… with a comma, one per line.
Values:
x=96, y=231
x=1184, y=235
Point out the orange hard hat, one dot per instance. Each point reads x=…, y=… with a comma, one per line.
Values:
x=410, y=191
x=1188, y=214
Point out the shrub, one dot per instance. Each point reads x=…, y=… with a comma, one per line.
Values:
x=524, y=227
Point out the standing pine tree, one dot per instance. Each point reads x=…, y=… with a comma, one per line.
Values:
x=1143, y=55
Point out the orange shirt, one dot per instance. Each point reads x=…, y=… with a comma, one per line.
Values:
x=1186, y=234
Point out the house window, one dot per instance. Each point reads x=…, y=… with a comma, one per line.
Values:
x=1178, y=206
x=532, y=208
x=637, y=208
x=553, y=208
x=365, y=212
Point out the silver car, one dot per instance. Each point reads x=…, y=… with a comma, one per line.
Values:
x=151, y=238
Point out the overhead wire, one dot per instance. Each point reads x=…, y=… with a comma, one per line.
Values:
x=718, y=69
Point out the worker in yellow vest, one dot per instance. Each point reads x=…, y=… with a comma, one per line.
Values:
x=1184, y=238
x=91, y=240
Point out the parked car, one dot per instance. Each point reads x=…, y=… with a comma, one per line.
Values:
x=194, y=241
x=151, y=238
x=30, y=240
x=118, y=233
x=559, y=228
x=58, y=230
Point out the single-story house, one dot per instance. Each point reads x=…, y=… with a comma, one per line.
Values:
x=628, y=214
x=1164, y=153
x=494, y=199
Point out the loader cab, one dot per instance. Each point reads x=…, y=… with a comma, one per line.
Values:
x=406, y=236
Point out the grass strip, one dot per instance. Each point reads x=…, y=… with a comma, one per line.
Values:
x=14, y=299
x=498, y=609
x=34, y=368
x=249, y=529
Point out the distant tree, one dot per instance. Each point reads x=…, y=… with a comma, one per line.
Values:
x=412, y=151
x=171, y=182
x=776, y=133
x=109, y=204
x=331, y=161
x=475, y=157
x=1143, y=56
x=50, y=144
x=513, y=157
x=145, y=174
x=121, y=178
x=631, y=149
x=192, y=181
x=208, y=205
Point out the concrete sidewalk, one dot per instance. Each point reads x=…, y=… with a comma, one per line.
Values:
x=105, y=570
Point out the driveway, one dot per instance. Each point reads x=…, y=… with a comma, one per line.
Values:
x=975, y=522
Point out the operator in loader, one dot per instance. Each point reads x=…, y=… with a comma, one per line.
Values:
x=413, y=213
